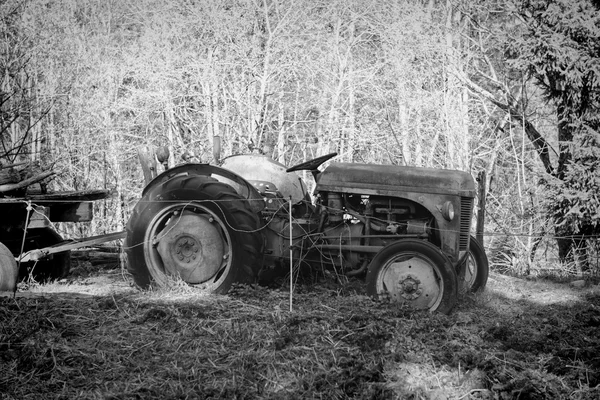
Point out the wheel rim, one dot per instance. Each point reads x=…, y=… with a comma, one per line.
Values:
x=470, y=271
x=413, y=279
x=188, y=242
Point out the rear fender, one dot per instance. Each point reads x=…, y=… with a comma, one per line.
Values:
x=255, y=167
x=241, y=186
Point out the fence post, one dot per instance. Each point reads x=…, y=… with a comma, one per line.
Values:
x=480, y=207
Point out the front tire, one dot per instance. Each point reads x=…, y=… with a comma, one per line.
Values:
x=196, y=229
x=413, y=272
x=478, y=268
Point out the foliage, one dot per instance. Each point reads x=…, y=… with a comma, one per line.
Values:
x=559, y=48
x=22, y=109
x=523, y=338
x=292, y=79
x=377, y=82
x=537, y=63
x=577, y=203
x=561, y=51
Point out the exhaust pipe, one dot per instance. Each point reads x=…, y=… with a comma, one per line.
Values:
x=217, y=149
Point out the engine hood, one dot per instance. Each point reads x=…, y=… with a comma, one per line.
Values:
x=393, y=180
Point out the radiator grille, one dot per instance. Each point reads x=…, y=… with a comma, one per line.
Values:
x=466, y=211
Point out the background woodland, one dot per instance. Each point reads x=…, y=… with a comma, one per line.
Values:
x=507, y=87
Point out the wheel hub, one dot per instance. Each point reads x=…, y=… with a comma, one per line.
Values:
x=410, y=279
x=409, y=287
x=191, y=247
x=187, y=248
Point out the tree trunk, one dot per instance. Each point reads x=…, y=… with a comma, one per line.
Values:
x=279, y=150
x=567, y=246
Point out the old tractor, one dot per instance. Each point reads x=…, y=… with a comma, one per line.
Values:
x=406, y=230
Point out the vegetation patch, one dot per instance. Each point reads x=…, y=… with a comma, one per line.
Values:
x=337, y=343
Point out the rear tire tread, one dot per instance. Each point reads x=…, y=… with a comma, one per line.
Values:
x=235, y=211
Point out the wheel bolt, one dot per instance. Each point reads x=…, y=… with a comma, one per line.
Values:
x=180, y=257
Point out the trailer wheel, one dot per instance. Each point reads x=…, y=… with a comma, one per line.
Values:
x=477, y=268
x=413, y=272
x=8, y=270
x=194, y=229
x=56, y=266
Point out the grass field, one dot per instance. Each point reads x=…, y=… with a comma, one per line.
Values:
x=95, y=337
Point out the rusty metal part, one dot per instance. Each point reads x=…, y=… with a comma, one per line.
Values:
x=357, y=248
x=360, y=270
x=191, y=247
x=334, y=207
x=38, y=254
x=412, y=278
x=312, y=165
x=416, y=227
x=340, y=236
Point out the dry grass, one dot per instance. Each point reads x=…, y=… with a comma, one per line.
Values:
x=517, y=340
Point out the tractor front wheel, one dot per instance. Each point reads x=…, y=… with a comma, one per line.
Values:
x=413, y=272
x=477, y=268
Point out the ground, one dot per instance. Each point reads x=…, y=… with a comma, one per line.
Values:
x=94, y=336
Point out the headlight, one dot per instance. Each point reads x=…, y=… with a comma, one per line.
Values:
x=448, y=211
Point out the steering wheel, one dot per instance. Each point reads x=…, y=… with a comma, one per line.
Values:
x=311, y=165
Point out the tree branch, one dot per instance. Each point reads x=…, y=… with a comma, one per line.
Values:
x=539, y=143
x=24, y=183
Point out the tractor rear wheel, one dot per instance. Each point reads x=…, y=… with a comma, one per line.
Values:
x=194, y=229
x=413, y=272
